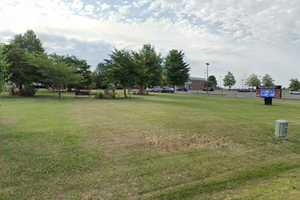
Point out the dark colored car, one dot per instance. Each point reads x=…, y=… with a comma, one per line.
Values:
x=209, y=89
x=244, y=90
x=182, y=90
x=168, y=90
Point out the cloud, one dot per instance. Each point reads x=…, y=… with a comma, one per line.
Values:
x=261, y=36
x=94, y=52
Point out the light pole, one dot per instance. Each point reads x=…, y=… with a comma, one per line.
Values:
x=207, y=65
x=221, y=85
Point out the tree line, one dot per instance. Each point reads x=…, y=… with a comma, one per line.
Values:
x=252, y=81
x=142, y=69
x=25, y=66
x=267, y=81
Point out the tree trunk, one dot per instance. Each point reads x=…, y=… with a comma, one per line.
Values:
x=20, y=90
x=113, y=93
x=59, y=94
x=125, y=93
x=142, y=90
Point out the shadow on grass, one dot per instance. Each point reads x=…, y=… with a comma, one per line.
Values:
x=67, y=97
x=194, y=189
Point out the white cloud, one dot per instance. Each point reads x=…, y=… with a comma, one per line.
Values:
x=104, y=6
x=242, y=36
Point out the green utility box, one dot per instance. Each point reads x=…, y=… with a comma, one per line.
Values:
x=281, y=129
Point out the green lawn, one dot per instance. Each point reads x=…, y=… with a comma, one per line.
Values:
x=155, y=147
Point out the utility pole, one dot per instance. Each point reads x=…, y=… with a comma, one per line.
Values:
x=207, y=65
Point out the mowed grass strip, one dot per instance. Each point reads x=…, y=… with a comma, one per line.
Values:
x=152, y=147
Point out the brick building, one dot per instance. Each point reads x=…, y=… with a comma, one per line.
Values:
x=196, y=84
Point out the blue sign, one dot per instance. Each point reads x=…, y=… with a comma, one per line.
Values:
x=267, y=92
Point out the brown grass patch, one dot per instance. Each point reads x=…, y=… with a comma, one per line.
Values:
x=7, y=121
x=185, y=143
x=130, y=140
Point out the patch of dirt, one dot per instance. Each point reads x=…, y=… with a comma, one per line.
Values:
x=7, y=121
x=130, y=140
x=185, y=143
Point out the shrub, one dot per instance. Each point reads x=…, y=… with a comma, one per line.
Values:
x=99, y=95
x=28, y=91
x=110, y=94
x=113, y=95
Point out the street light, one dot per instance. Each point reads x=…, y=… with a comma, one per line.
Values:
x=207, y=65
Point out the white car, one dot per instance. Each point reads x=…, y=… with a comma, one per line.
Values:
x=155, y=89
x=295, y=92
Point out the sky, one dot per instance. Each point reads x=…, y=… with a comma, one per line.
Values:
x=241, y=36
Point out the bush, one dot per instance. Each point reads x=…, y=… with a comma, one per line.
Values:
x=99, y=95
x=110, y=94
x=28, y=91
x=114, y=95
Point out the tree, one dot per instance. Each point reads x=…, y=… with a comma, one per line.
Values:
x=61, y=75
x=253, y=81
x=229, y=80
x=149, y=68
x=29, y=42
x=177, y=70
x=81, y=67
x=121, y=70
x=267, y=81
x=3, y=68
x=21, y=71
x=98, y=75
x=53, y=72
x=212, y=81
x=294, y=85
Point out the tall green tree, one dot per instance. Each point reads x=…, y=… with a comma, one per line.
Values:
x=253, y=81
x=21, y=71
x=212, y=81
x=294, y=85
x=54, y=72
x=177, y=69
x=3, y=68
x=229, y=80
x=81, y=67
x=149, y=67
x=29, y=42
x=122, y=70
x=61, y=75
x=267, y=81
x=99, y=74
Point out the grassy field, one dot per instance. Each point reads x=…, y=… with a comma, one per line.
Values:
x=155, y=147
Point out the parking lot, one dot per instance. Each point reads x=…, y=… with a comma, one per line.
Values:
x=234, y=93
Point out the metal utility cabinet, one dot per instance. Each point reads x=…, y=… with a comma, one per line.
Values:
x=281, y=129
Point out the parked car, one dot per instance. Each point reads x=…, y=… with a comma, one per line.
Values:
x=182, y=90
x=155, y=89
x=209, y=89
x=168, y=90
x=295, y=92
x=244, y=90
